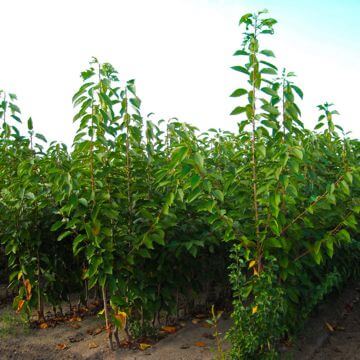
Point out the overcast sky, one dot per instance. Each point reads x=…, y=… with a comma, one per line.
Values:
x=179, y=52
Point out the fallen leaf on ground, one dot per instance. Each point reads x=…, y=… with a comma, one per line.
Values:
x=200, y=316
x=43, y=326
x=144, y=346
x=75, y=318
x=169, y=329
x=206, y=325
x=59, y=318
x=330, y=327
x=195, y=321
x=200, y=344
x=75, y=326
x=93, y=345
x=61, y=346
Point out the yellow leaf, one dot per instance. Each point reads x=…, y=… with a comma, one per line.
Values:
x=43, y=326
x=252, y=264
x=121, y=317
x=254, y=309
x=256, y=272
x=61, y=346
x=144, y=346
x=96, y=230
x=330, y=327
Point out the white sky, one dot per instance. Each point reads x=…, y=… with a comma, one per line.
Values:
x=179, y=52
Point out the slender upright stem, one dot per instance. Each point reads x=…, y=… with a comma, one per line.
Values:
x=107, y=321
x=128, y=170
x=41, y=316
x=253, y=143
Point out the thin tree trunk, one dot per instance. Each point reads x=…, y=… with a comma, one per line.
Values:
x=41, y=316
x=107, y=322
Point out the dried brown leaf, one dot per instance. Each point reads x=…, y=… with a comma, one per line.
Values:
x=169, y=329
x=61, y=346
x=93, y=345
x=200, y=344
x=330, y=327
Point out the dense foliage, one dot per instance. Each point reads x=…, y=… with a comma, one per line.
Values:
x=145, y=211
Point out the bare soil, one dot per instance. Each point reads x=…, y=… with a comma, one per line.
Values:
x=83, y=340
x=333, y=331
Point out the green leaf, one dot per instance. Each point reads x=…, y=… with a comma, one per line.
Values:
x=64, y=235
x=245, y=18
x=219, y=195
x=238, y=110
x=272, y=242
x=343, y=235
x=241, y=52
x=57, y=225
x=297, y=153
x=199, y=160
x=179, y=154
x=270, y=109
x=83, y=202
x=261, y=149
x=268, y=53
x=269, y=71
x=241, y=69
x=30, y=123
x=77, y=241
x=195, y=181
x=345, y=187
x=41, y=137
x=239, y=92
x=269, y=91
x=298, y=91
x=348, y=178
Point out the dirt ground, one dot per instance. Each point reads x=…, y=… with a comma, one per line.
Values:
x=83, y=340
x=333, y=332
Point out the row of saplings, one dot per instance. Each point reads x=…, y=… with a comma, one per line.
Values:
x=147, y=215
